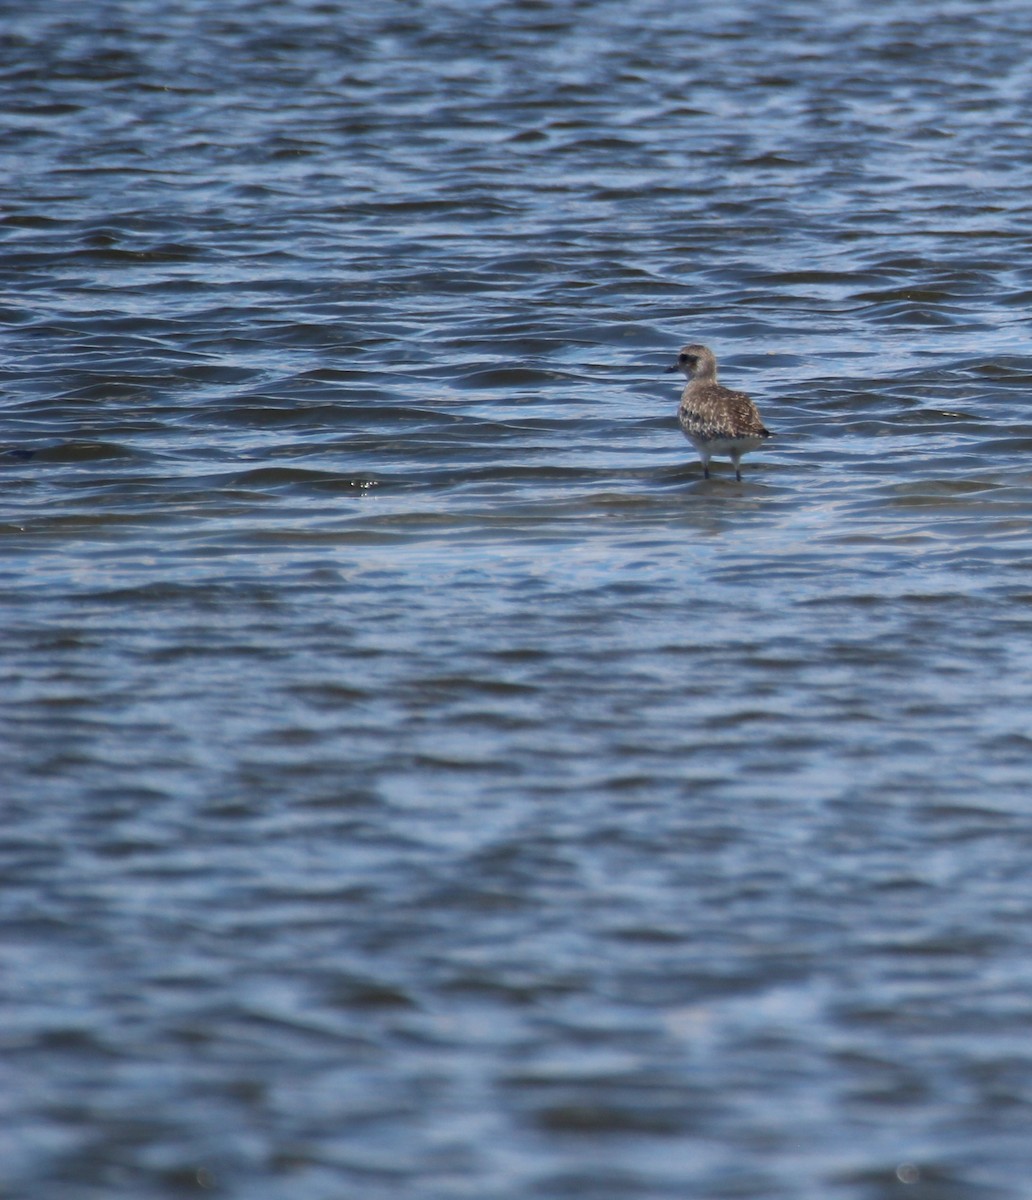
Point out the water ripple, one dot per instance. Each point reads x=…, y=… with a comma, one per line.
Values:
x=418, y=780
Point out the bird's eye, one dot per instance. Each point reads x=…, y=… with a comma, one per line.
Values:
x=682, y=358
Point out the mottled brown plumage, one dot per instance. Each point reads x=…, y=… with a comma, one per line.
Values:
x=715, y=419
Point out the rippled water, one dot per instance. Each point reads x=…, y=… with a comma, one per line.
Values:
x=417, y=780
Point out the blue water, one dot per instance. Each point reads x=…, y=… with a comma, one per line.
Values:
x=417, y=780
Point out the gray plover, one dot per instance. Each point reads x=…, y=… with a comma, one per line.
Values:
x=715, y=419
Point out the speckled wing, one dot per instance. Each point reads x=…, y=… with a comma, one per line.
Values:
x=711, y=411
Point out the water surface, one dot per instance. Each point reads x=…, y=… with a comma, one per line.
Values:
x=417, y=780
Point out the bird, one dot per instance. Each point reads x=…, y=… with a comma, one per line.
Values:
x=715, y=419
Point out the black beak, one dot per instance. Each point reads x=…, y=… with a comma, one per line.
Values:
x=669, y=369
